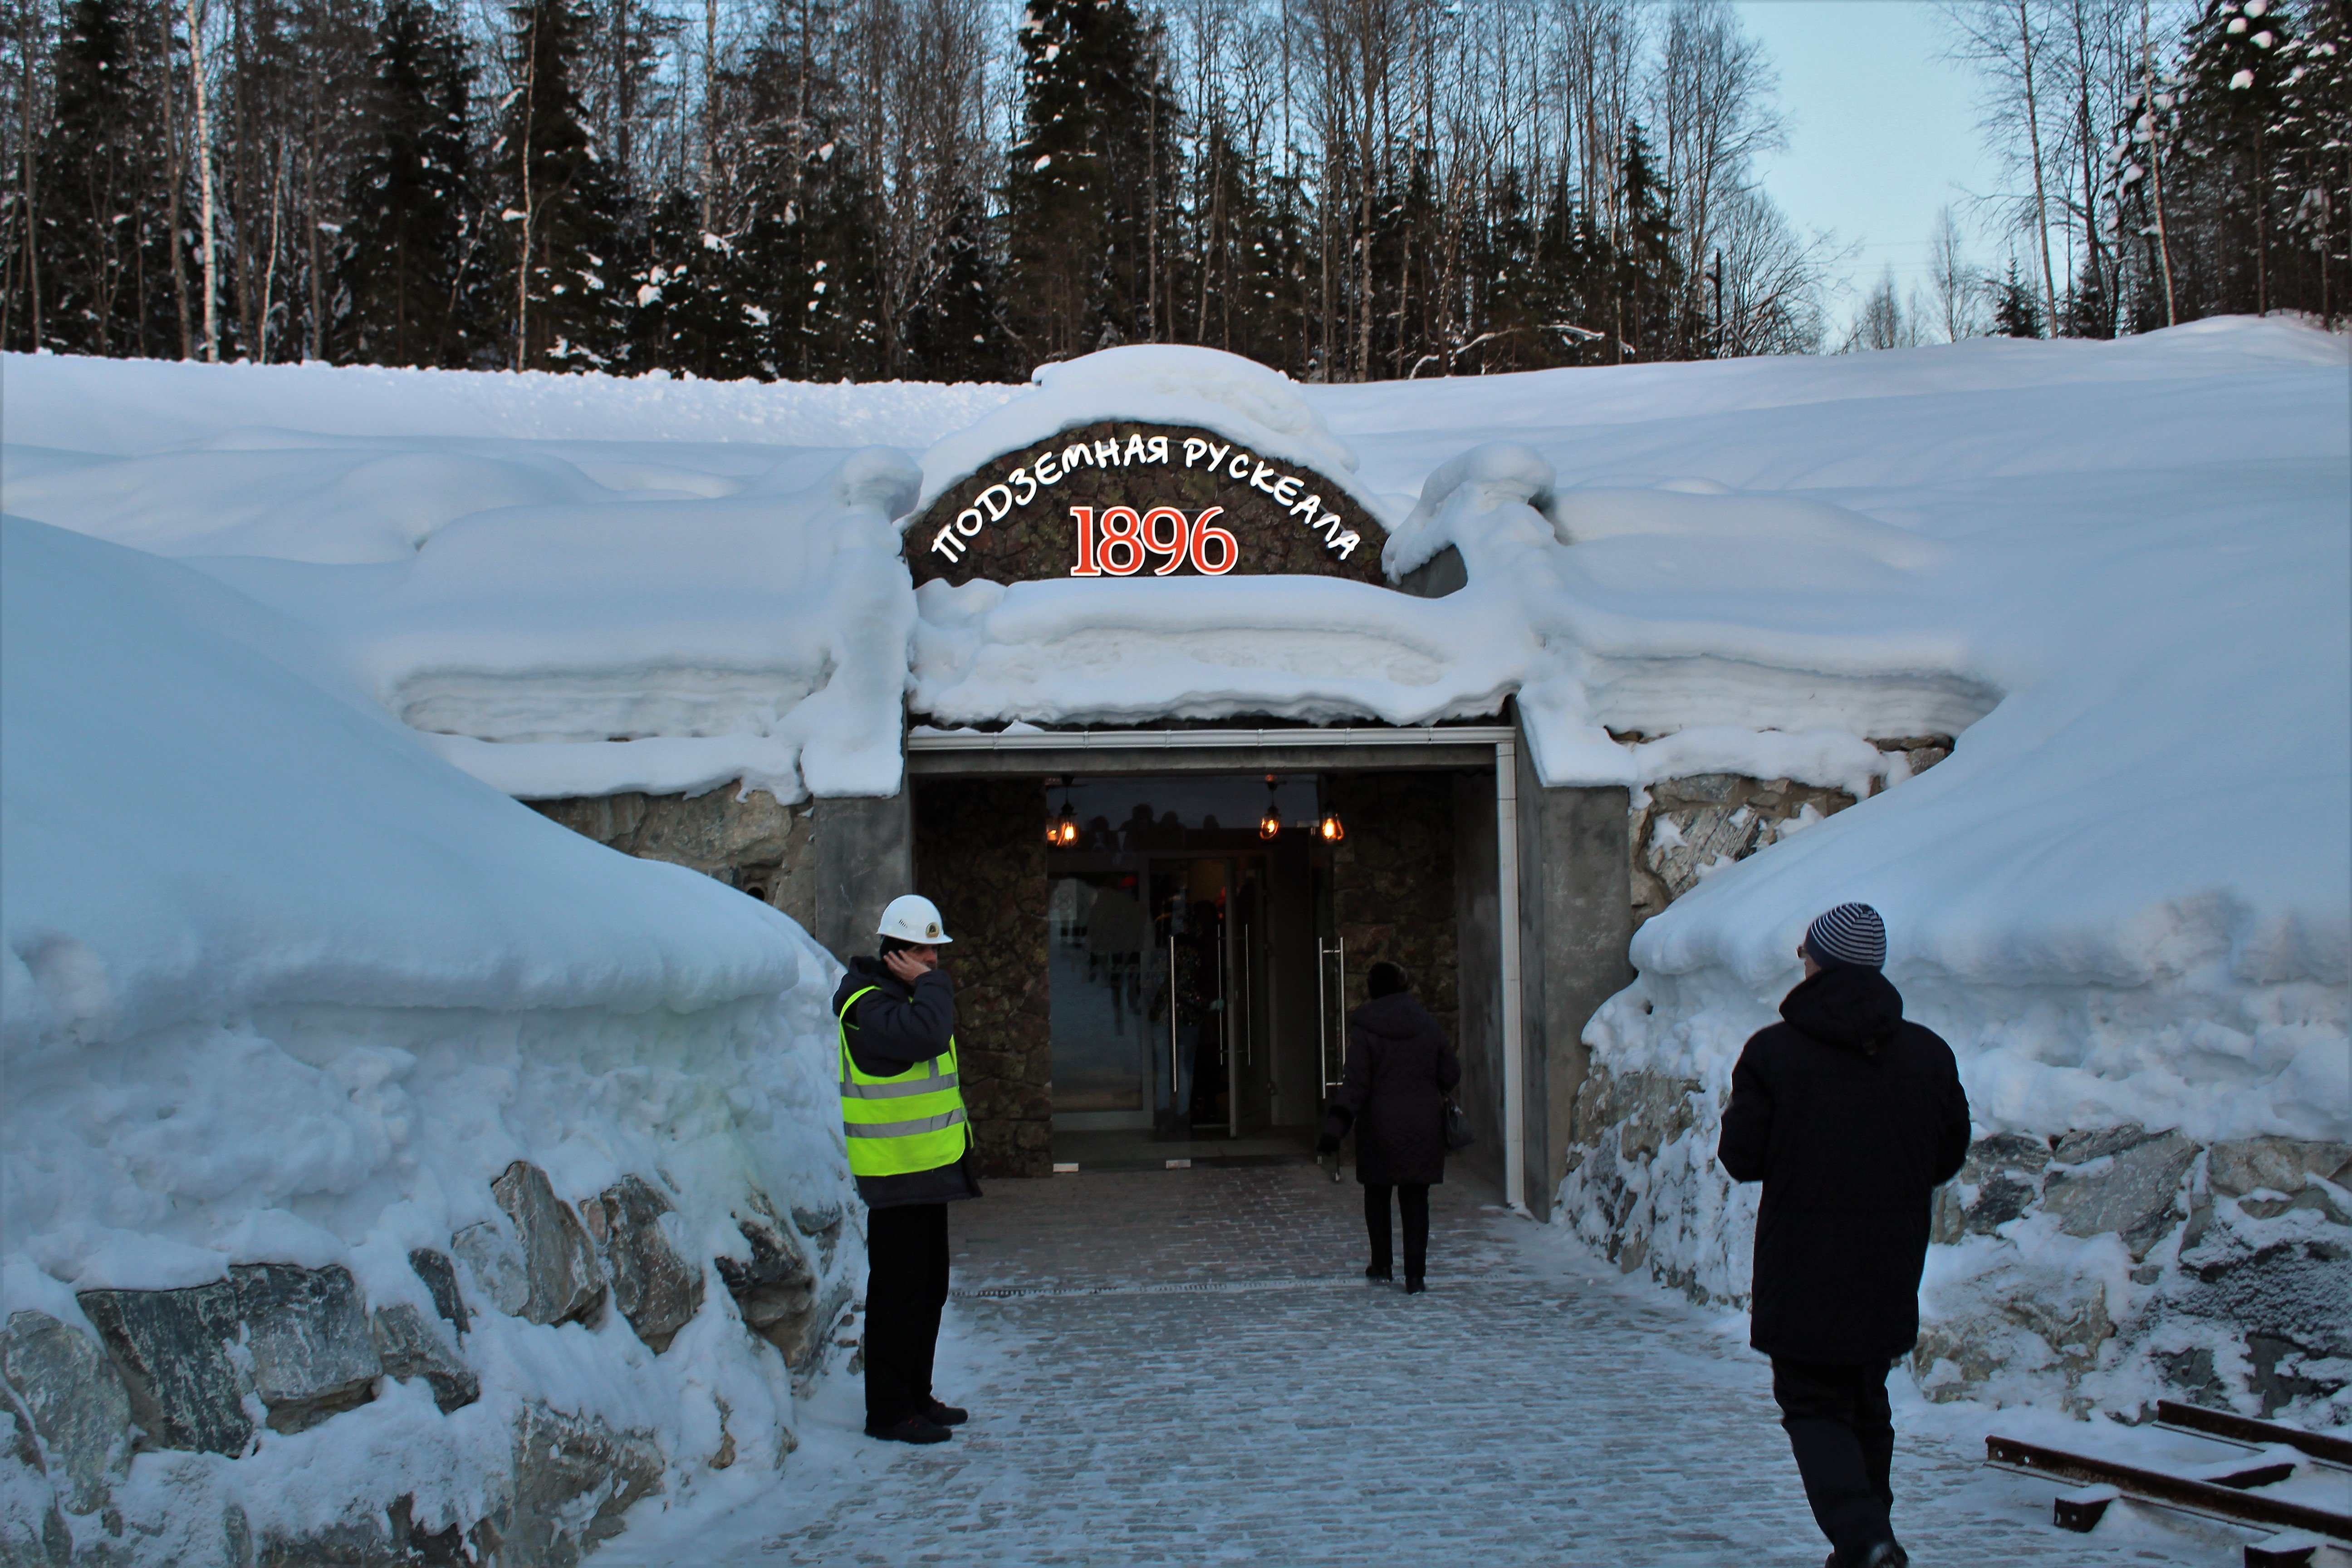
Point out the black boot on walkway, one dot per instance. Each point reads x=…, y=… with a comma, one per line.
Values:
x=1414, y=1287
x=1378, y=1275
x=947, y=1415
x=913, y=1430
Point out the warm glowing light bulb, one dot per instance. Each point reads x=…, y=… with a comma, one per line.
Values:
x=1330, y=828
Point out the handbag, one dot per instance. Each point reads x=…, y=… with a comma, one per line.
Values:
x=1457, y=1126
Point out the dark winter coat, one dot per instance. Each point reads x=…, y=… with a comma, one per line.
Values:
x=1400, y=1065
x=893, y=1027
x=1851, y=1118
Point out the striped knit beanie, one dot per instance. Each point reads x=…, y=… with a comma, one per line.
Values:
x=1850, y=933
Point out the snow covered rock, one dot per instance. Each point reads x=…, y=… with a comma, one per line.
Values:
x=775, y=1289
x=2118, y=1181
x=560, y=1281
x=575, y=1478
x=176, y=1353
x=652, y=1286
x=62, y=1381
x=307, y=1332
x=410, y=1347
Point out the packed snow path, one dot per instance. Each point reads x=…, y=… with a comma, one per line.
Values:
x=1192, y=1372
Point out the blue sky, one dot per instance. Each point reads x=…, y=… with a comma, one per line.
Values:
x=1883, y=130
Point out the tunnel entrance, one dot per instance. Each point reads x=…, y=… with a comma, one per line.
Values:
x=1154, y=969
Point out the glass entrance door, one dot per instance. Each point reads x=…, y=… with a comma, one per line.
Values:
x=1105, y=966
x=1179, y=965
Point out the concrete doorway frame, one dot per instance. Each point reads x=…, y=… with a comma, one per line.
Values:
x=1294, y=751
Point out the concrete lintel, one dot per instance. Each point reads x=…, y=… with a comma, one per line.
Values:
x=1099, y=761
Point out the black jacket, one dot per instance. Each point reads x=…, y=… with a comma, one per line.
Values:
x=892, y=1028
x=1851, y=1118
x=1399, y=1065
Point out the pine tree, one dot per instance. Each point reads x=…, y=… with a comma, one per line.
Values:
x=1090, y=187
x=562, y=213
x=686, y=305
x=1650, y=316
x=958, y=332
x=2017, y=309
x=2311, y=129
x=2231, y=74
x=405, y=255
x=103, y=246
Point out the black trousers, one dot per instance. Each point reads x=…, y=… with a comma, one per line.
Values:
x=906, y=1287
x=1844, y=1434
x=1413, y=1205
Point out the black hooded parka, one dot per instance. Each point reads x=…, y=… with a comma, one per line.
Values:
x=1851, y=1117
x=1399, y=1066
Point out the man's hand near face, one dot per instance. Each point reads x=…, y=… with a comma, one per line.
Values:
x=909, y=964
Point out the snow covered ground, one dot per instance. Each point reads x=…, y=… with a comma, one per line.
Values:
x=281, y=984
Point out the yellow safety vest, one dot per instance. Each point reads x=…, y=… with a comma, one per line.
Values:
x=910, y=1121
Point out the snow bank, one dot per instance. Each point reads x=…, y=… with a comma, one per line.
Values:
x=1159, y=383
x=282, y=988
x=2115, y=570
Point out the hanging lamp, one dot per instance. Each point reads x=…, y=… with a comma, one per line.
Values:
x=1329, y=828
x=1271, y=823
x=1062, y=832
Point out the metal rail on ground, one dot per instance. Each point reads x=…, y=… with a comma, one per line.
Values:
x=2220, y=1499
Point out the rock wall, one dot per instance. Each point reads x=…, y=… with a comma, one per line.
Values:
x=1392, y=885
x=748, y=840
x=2100, y=1269
x=205, y=1368
x=1684, y=828
x=980, y=852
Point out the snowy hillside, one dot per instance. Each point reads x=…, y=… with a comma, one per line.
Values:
x=281, y=988
x=2119, y=568
x=283, y=985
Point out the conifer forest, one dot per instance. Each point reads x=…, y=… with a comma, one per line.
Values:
x=961, y=189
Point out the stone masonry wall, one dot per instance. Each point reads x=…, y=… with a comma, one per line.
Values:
x=1683, y=827
x=979, y=853
x=2098, y=1270
x=201, y=1369
x=753, y=842
x=1392, y=885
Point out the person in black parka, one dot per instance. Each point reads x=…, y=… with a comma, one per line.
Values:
x=1399, y=1066
x=1852, y=1117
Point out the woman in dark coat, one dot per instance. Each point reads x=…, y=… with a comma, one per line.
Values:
x=1399, y=1066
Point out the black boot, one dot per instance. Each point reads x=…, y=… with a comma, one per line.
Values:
x=1412, y=1284
x=946, y=1415
x=913, y=1430
x=1378, y=1275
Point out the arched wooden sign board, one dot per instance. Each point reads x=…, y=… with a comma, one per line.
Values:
x=1124, y=498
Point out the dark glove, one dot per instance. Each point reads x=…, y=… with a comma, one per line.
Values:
x=1328, y=1144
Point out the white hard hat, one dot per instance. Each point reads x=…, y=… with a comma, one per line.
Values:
x=911, y=917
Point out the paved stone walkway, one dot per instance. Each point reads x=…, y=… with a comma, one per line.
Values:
x=1183, y=1367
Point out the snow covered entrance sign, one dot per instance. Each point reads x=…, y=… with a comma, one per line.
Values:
x=1122, y=498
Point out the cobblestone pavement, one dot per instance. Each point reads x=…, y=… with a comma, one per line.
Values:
x=1185, y=1367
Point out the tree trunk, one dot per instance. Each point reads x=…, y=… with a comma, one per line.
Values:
x=174, y=174
x=2033, y=141
x=204, y=179
x=2156, y=158
x=523, y=266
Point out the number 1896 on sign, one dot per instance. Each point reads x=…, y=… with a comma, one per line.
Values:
x=1125, y=540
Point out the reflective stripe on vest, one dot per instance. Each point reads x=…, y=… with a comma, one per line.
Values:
x=905, y=1122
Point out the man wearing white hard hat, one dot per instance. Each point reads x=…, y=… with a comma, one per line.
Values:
x=909, y=1143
